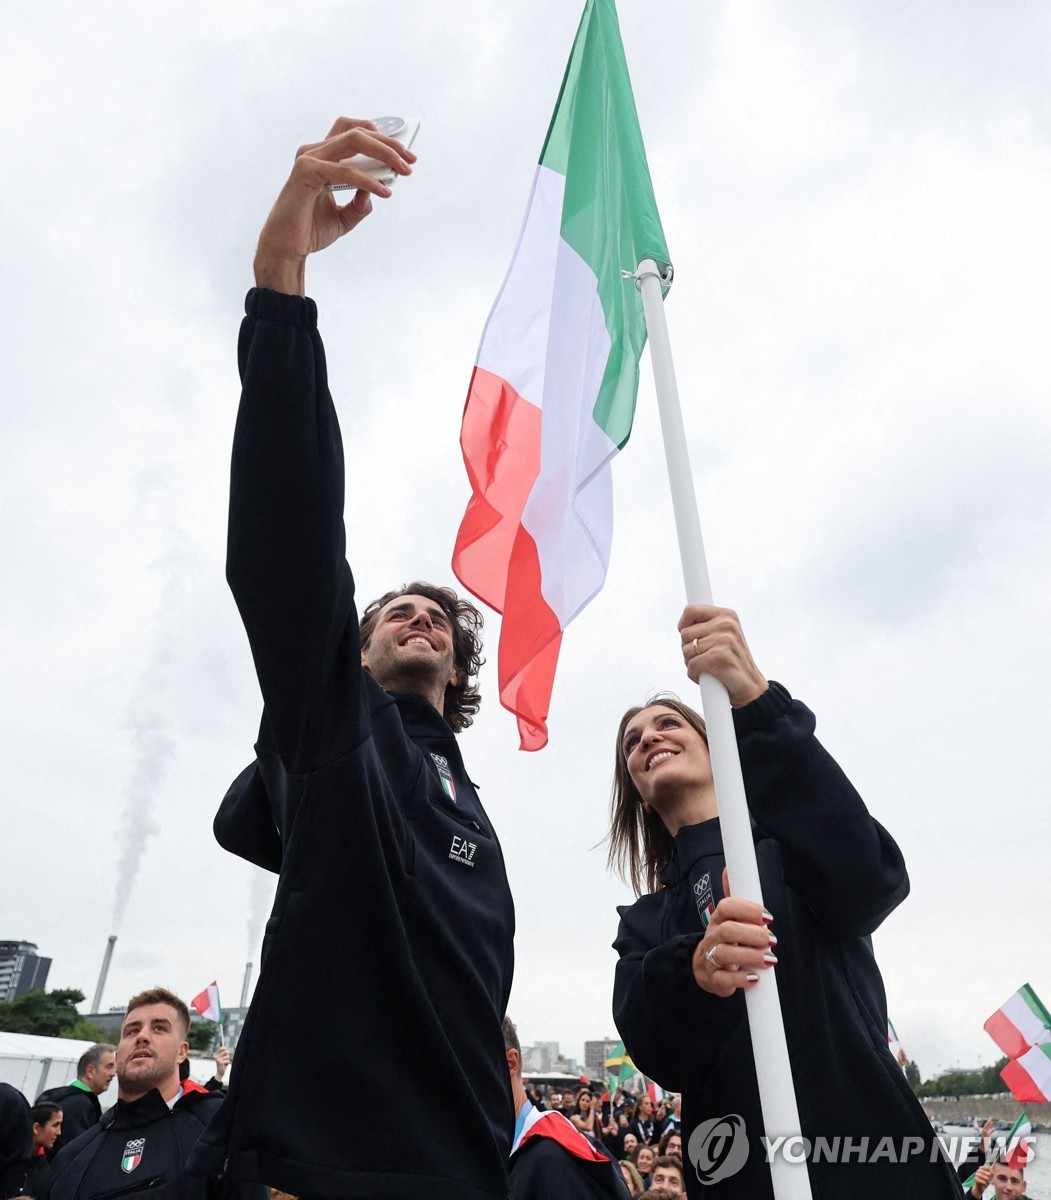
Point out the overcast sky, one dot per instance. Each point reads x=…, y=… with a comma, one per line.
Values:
x=855, y=197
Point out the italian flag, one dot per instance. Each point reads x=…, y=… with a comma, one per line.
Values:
x=1029, y=1075
x=207, y=1003
x=1020, y=1023
x=892, y=1040
x=1017, y=1152
x=553, y=391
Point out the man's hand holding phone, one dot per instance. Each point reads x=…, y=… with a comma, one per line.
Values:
x=403, y=130
x=306, y=217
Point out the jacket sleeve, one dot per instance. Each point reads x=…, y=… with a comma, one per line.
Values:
x=286, y=561
x=843, y=863
x=245, y=824
x=669, y=1025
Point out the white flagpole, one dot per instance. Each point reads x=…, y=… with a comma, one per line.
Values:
x=791, y=1181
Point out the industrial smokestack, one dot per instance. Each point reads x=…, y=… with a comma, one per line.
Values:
x=247, y=982
x=97, y=1002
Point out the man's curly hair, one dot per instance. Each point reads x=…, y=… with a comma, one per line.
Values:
x=462, y=699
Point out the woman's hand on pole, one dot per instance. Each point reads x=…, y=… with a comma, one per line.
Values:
x=736, y=947
x=713, y=644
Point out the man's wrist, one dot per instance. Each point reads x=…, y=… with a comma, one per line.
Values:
x=286, y=275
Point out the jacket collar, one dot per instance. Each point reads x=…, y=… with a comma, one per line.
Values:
x=691, y=843
x=419, y=717
x=131, y=1114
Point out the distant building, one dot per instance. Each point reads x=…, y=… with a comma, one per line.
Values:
x=595, y=1055
x=540, y=1058
x=233, y=1020
x=21, y=969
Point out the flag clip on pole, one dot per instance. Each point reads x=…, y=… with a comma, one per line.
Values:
x=791, y=1181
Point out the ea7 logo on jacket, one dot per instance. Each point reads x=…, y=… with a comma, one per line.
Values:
x=462, y=851
x=132, y=1155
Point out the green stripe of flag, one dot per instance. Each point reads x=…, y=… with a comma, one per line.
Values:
x=1034, y=1004
x=609, y=216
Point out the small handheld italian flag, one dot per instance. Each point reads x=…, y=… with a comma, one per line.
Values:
x=1029, y=1076
x=1021, y=1027
x=1020, y=1022
x=207, y=1003
x=1017, y=1152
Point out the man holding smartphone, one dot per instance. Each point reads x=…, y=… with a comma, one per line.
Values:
x=392, y=926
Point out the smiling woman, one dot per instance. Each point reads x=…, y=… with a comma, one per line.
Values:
x=688, y=949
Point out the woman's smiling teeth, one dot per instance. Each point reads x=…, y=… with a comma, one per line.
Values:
x=659, y=757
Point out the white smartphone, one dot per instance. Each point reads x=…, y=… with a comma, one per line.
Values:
x=403, y=129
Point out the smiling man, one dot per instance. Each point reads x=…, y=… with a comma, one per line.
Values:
x=392, y=906
x=1008, y=1181
x=140, y=1146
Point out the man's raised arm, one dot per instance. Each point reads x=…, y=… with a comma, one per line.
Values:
x=286, y=557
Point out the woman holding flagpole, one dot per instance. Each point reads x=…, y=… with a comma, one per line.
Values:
x=689, y=948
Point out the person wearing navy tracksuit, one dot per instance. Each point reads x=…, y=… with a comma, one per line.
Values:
x=391, y=934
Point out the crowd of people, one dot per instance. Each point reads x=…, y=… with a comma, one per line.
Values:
x=591, y=1144
x=643, y=1136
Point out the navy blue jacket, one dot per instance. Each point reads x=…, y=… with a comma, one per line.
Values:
x=139, y=1149
x=389, y=947
x=16, y=1140
x=830, y=875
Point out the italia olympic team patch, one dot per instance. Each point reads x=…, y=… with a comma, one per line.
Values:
x=702, y=890
x=445, y=775
x=132, y=1155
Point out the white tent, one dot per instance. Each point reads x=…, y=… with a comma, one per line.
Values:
x=33, y=1063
